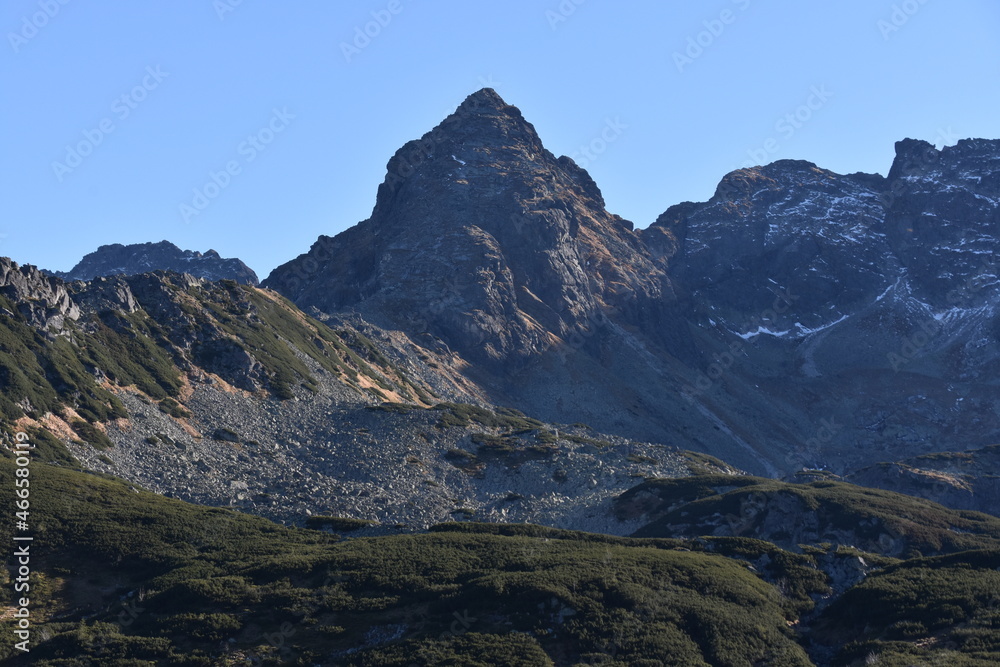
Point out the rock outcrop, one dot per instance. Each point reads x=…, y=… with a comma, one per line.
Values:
x=44, y=301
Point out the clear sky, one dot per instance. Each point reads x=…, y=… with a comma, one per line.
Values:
x=115, y=112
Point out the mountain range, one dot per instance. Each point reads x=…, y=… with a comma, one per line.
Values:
x=798, y=318
x=493, y=362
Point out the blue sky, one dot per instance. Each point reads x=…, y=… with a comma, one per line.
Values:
x=115, y=113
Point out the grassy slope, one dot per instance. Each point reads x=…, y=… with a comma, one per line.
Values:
x=198, y=576
x=125, y=577
x=40, y=375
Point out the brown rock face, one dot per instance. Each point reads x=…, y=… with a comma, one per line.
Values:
x=482, y=237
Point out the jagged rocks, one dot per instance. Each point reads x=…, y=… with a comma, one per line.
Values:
x=44, y=301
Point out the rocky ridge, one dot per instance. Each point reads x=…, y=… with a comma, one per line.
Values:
x=137, y=258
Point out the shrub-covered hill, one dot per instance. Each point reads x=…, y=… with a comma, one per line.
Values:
x=125, y=577
x=789, y=515
x=928, y=611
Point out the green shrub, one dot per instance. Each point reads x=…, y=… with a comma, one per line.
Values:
x=91, y=434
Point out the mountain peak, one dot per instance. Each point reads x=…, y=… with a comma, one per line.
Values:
x=485, y=119
x=517, y=241
x=483, y=99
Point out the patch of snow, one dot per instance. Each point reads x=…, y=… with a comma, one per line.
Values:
x=761, y=329
x=803, y=330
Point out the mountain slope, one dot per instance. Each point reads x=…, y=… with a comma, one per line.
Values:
x=792, y=515
x=185, y=387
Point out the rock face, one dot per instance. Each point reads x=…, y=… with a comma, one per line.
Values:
x=809, y=237
x=943, y=217
x=483, y=238
x=864, y=306
x=44, y=301
x=118, y=259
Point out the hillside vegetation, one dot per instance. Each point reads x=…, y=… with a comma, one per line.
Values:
x=126, y=577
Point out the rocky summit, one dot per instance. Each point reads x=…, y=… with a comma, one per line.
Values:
x=483, y=238
x=117, y=259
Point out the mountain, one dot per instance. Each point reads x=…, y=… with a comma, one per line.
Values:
x=774, y=326
x=136, y=258
x=503, y=426
x=483, y=238
x=484, y=246
x=864, y=308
